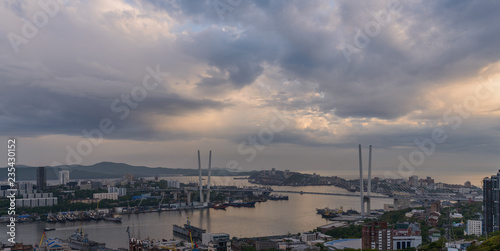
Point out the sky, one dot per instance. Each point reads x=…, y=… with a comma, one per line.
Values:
x=263, y=84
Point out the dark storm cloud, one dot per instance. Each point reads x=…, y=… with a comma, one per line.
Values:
x=238, y=55
x=28, y=110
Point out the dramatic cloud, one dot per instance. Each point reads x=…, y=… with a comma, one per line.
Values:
x=338, y=73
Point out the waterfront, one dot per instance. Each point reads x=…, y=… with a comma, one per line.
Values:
x=267, y=218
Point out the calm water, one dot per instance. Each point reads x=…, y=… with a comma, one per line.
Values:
x=267, y=218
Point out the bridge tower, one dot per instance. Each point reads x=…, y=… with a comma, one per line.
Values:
x=200, y=185
x=208, y=180
x=365, y=199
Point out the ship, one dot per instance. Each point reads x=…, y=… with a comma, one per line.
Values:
x=189, y=231
x=331, y=213
x=79, y=240
x=114, y=218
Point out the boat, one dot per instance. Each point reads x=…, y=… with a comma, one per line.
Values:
x=329, y=214
x=322, y=210
x=114, y=218
x=48, y=229
x=235, y=203
x=248, y=204
x=51, y=218
x=79, y=240
x=278, y=197
x=219, y=206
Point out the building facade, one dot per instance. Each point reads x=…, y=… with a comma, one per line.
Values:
x=36, y=202
x=474, y=227
x=108, y=196
x=216, y=242
x=63, y=177
x=406, y=235
x=41, y=177
x=491, y=203
x=121, y=191
x=378, y=236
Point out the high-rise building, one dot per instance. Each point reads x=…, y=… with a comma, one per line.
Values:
x=63, y=177
x=378, y=235
x=41, y=178
x=491, y=202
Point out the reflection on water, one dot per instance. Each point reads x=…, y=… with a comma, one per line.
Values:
x=267, y=218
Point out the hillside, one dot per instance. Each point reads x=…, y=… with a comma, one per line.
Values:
x=112, y=170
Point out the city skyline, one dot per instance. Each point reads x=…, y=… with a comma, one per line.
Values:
x=290, y=85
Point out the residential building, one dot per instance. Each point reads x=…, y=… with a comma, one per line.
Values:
x=474, y=227
x=433, y=220
x=63, y=177
x=307, y=236
x=121, y=191
x=464, y=190
x=377, y=235
x=491, y=203
x=435, y=237
x=36, y=202
x=108, y=196
x=41, y=178
x=173, y=183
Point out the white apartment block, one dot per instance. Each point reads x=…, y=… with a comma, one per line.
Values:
x=109, y=196
x=120, y=191
x=36, y=202
x=474, y=227
x=63, y=177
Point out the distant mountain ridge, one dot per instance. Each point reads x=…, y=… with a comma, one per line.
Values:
x=106, y=170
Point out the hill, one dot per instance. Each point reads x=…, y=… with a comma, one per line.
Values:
x=113, y=170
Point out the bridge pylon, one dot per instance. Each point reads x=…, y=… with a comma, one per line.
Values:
x=365, y=199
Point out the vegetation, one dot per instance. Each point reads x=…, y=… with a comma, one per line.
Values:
x=352, y=231
x=491, y=244
x=395, y=216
